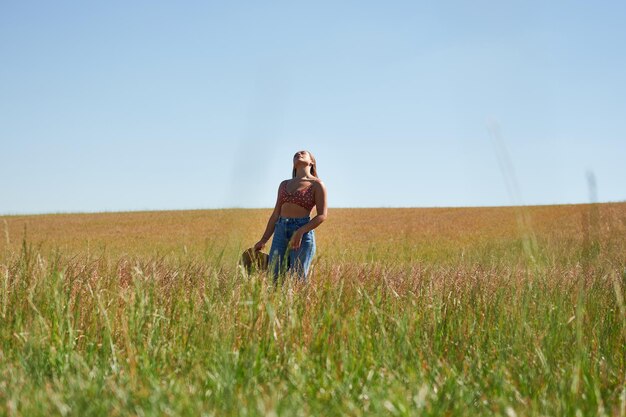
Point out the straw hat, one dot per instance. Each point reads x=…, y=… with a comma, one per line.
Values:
x=253, y=261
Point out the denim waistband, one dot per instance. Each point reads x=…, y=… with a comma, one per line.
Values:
x=285, y=220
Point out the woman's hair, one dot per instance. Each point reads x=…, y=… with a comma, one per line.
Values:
x=313, y=167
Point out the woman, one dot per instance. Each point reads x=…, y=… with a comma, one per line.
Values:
x=293, y=246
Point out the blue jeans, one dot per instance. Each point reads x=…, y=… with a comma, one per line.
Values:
x=282, y=258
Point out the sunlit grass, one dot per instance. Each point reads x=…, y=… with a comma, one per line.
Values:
x=408, y=312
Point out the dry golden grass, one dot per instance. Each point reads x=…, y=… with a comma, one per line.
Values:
x=349, y=234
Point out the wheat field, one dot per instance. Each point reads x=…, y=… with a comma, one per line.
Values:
x=512, y=311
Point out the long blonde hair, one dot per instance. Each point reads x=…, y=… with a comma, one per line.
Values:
x=313, y=167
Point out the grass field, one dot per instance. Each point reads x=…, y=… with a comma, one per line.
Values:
x=451, y=311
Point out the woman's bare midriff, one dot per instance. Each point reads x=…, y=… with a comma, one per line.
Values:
x=293, y=211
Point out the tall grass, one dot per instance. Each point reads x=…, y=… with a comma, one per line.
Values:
x=422, y=330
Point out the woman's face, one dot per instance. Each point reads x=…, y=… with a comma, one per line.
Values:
x=302, y=158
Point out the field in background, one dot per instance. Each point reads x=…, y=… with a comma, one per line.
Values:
x=456, y=311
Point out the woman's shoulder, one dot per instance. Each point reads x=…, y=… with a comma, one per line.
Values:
x=282, y=185
x=318, y=183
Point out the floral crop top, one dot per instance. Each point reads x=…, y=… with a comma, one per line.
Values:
x=304, y=198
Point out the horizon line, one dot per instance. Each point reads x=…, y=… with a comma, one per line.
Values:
x=53, y=213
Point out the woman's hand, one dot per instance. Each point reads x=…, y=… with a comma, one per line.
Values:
x=259, y=245
x=296, y=239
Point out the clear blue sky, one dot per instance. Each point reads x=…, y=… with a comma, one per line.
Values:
x=120, y=105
